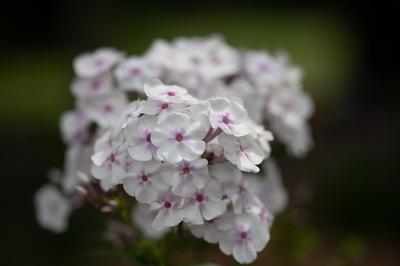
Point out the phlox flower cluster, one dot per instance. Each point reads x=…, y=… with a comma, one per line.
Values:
x=178, y=132
x=185, y=163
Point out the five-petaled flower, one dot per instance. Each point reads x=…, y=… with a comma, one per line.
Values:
x=178, y=138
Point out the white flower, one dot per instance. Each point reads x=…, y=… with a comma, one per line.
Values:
x=222, y=60
x=74, y=126
x=105, y=110
x=204, y=204
x=244, y=152
x=191, y=79
x=92, y=88
x=134, y=72
x=118, y=233
x=130, y=114
x=243, y=91
x=269, y=189
x=262, y=136
x=186, y=177
x=138, y=135
x=210, y=231
x=77, y=160
x=179, y=138
x=200, y=112
x=142, y=216
x=264, y=68
x=109, y=158
x=162, y=53
x=298, y=139
x=264, y=214
x=143, y=181
x=153, y=107
x=247, y=236
x=293, y=107
x=90, y=65
x=52, y=209
x=209, y=58
x=156, y=90
x=228, y=177
x=228, y=115
x=235, y=187
x=168, y=211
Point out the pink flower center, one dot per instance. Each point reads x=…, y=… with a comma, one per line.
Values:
x=226, y=120
x=216, y=60
x=99, y=62
x=95, y=85
x=164, y=106
x=108, y=108
x=242, y=189
x=179, y=137
x=112, y=158
x=186, y=171
x=148, y=138
x=264, y=68
x=199, y=197
x=171, y=93
x=135, y=71
x=167, y=204
x=243, y=235
x=145, y=178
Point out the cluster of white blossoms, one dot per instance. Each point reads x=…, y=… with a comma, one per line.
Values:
x=179, y=131
x=183, y=159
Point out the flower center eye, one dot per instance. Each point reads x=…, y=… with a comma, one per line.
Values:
x=108, y=108
x=95, y=84
x=264, y=68
x=135, y=71
x=99, y=62
x=171, y=93
x=167, y=204
x=242, y=189
x=226, y=119
x=199, y=197
x=243, y=235
x=179, y=137
x=186, y=171
x=112, y=158
x=164, y=106
x=148, y=138
x=216, y=60
x=145, y=178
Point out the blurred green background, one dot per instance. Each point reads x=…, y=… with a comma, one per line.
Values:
x=343, y=197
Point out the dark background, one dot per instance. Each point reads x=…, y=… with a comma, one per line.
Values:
x=344, y=195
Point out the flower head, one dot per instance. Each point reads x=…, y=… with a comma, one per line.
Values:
x=228, y=115
x=204, y=204
x=167, y=210
x=156, y=90
x=186, y=177
x=138, y=135
x=134, y=72
x=90, y=65
x=245, y=238
x=52, y=209
x=143, y=181
x=178, y=138
x=243, y=152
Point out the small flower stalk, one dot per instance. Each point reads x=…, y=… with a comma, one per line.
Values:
x=174, y=137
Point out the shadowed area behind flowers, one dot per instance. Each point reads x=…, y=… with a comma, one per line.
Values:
x=343, y=195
